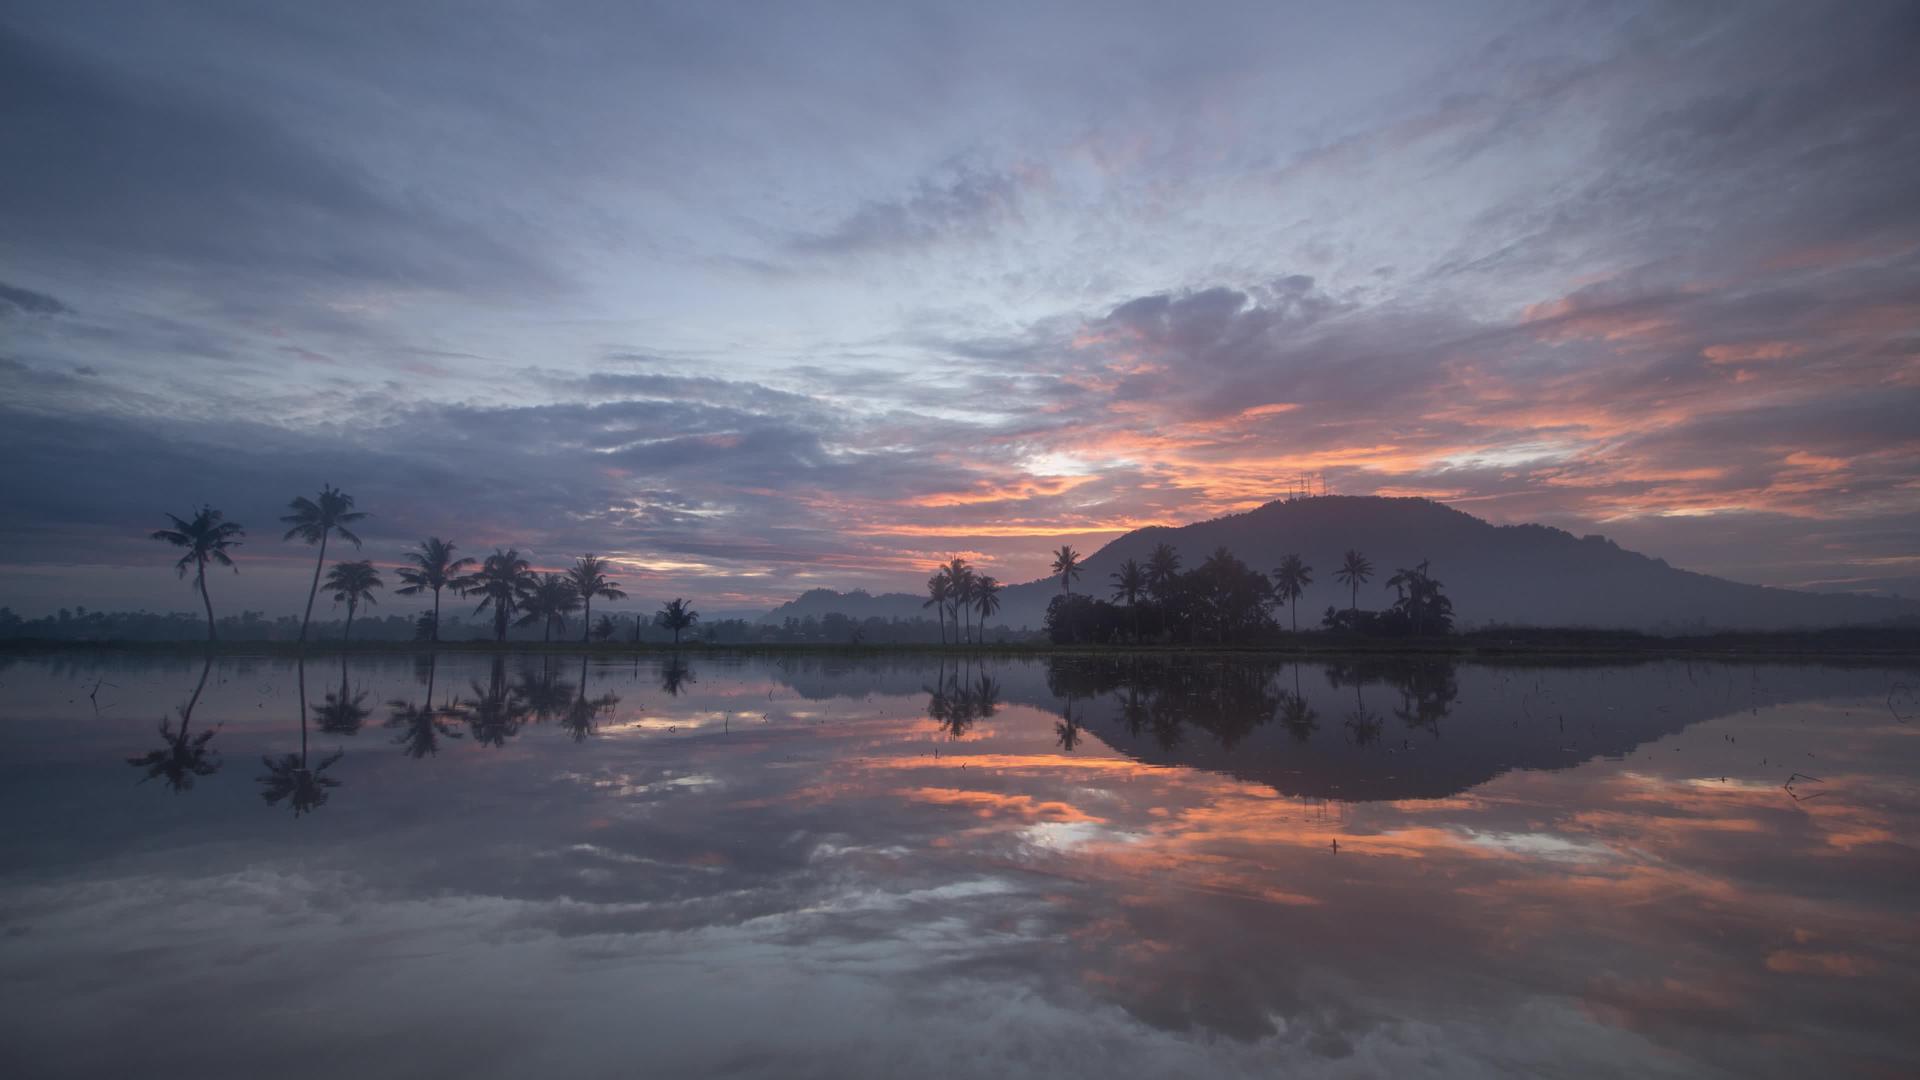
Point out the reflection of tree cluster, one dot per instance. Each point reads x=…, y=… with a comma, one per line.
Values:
x=1229, y=698
x=959, y=698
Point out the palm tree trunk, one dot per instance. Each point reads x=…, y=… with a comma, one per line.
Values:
x=301, y=667
x=586, y=618
x=202, y=578
x=435, y=636
x=348, y=632
x=313, y=589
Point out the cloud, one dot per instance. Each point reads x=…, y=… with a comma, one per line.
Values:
x=15, y=300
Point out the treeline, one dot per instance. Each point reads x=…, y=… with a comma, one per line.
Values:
x=1225, y=601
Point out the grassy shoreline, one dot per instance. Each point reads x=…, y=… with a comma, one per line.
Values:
x=1842, y=645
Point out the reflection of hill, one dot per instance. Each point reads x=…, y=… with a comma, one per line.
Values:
x=1411, y=730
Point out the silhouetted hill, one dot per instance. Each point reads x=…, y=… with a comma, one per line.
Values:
x=1529, y=575
x=858, y=604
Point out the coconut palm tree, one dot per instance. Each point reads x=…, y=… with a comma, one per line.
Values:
x=421, y=727
x=1163, y=565
x=313, y=520
x=1129, y=582
x=1290, y=580
x=1066, y=563
x=605, y=628
x=590, y=580
x=551, y=598
x=1354, y=572
x=986, y=599
x=502, y=583
x=939, y=588
x=583, y=713
x=352, y=583
x=960, y=580
x=677, y=616
x=344, y=711
x=207, y=538
x=434, y=568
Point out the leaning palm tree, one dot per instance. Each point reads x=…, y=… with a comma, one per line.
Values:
x=1354, y=572
x=315, y=520
x=502, y=583
x=960, y=578
x=589, y=579
x=677, y=616
x=1290, y=580
x=1163, y=565
x=1066, y=563
x=434, y=568
x=207, y=538
x=353, y=583
x=939, y=587
x=986, y=600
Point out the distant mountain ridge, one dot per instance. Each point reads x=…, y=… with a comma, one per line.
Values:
x=1523, y=575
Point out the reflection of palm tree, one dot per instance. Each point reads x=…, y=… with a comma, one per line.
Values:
x=183, y=756
x=1354, y=572
x=313, y=521
x=583, y=713
x=289, y=777
x=1066, y=731
x=352, y=584
x=544, y=695
x=589, y=579
x=495, y=713
x=207, y=538
x=1066, y=563
x=434, y=568
x=421, y=727
x=1366, y=726
x=675, y=675
x=1298, y=718
x=342, y=712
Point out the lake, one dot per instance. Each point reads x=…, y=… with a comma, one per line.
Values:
x=914, y=865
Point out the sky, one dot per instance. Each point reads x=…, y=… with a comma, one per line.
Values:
x=760, y=298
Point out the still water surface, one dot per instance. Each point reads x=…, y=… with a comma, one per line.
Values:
x=529, y=866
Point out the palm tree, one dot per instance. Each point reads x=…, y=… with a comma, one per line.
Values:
x=1290, y=580
x=351, y=583
x=986, y=599
x=939, y=587
x=1163, y=565
x=551, y=597
x=677, y=616
x=434, y=568
x=1066, y=563
x=342, y=712
x=960, y=580
x=590, y=580
x=503, y=583
x=1128, y=583
x=605, y=628
x=1354, y=572
x=207, y=538
x=421, y=727
x=315, y=520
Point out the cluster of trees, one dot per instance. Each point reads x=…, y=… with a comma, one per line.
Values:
x=956, y=590
x=1224, y=600
x=506, y=583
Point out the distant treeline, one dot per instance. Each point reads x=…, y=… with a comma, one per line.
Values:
x=81, y=625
